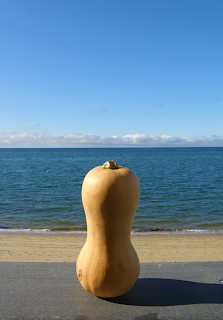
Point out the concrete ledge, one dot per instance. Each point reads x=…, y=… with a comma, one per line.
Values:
x=190, y=290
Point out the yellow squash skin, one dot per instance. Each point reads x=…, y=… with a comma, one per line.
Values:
x=108, y=265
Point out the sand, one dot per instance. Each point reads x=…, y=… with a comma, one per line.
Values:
x=150, y=248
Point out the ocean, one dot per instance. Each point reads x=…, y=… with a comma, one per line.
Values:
x=181, y=188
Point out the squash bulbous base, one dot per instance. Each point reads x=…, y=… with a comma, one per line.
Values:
x=105, y=290
x=107, y=274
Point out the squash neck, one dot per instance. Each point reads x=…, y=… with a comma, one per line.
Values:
x=109, y=238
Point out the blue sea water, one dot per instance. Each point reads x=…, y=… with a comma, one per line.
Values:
x=181, y=188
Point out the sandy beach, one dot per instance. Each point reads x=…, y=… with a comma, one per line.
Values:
x=150, y=248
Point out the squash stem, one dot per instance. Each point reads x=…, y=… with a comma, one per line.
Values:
x=111, y=164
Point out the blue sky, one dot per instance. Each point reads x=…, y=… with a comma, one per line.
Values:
x=111, y=73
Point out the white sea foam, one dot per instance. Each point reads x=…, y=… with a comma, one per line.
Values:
x=185, y=231
x=133, y=232
x=39, y=231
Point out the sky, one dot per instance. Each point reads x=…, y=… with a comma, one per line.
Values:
x=118, y=73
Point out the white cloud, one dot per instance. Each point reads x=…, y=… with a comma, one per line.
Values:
x=91, y=110
x=158, y=106
x=23, y=118
x=103, y=110
x=18, y=140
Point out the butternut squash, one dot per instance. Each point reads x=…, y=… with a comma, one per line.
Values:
x=108, y=265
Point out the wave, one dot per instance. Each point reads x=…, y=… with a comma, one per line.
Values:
x=40, y=231
x=145, y=231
